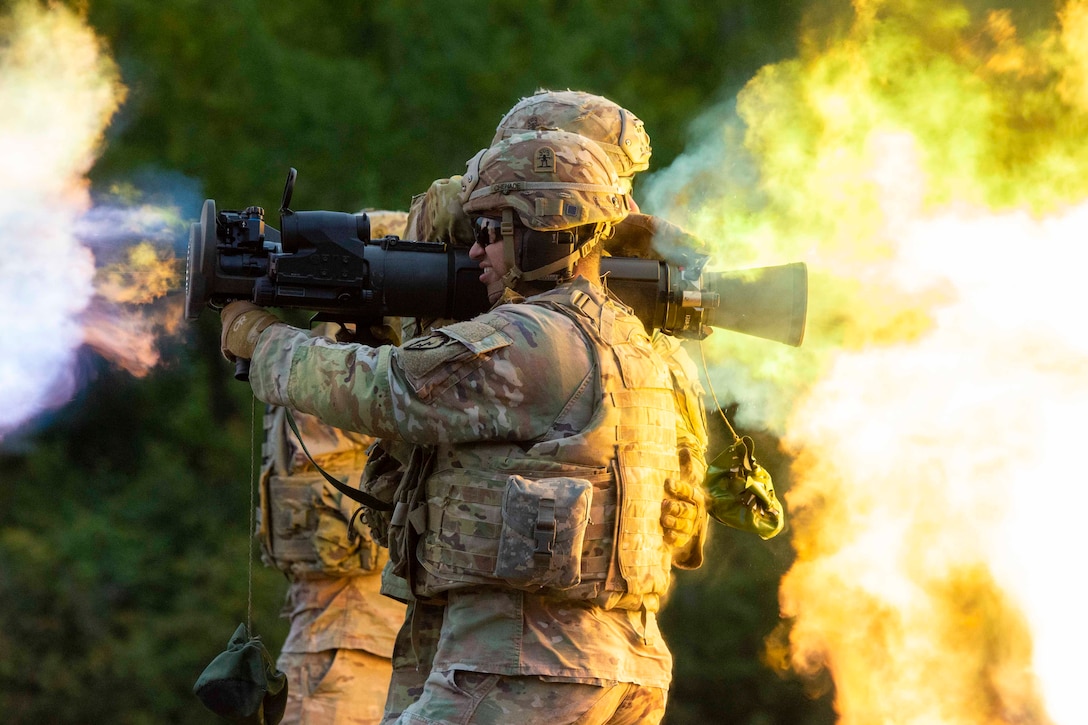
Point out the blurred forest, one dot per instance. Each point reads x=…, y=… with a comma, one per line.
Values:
x=124, y=514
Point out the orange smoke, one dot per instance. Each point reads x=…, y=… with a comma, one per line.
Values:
x=125, y=320
x=930, y=167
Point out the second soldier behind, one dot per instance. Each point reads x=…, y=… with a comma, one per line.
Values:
x=337, y=654
x=553, y=426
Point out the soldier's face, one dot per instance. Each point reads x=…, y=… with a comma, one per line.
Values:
x=488, y=251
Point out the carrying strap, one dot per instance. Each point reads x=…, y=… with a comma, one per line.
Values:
x=353, y=493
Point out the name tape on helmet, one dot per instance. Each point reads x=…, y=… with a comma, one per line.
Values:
x=507, y=187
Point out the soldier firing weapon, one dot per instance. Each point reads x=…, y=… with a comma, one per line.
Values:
x=326, y=262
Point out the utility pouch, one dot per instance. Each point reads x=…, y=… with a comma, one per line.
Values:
x=409, y=517
x=740, y=492
x=543, y=529
x=292, y=521
x=381, y=476
x=308, y=533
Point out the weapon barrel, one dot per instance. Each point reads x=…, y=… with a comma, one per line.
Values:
x=767, y=302
x=325, y=262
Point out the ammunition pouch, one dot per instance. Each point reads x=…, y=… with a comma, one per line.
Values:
x=409, y=517
x=548, y=530
x=307, y=534
x=543, y=528
x=381, y=478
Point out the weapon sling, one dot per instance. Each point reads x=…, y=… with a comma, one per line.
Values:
x=360, y=497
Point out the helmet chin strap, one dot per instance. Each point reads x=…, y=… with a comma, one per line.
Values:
x=566, y=263
x=515, y=273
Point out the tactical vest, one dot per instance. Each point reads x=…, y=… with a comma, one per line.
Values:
x=576, y=516
x=303, y=521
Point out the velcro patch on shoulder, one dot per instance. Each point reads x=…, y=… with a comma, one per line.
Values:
x=483, y=334
x=453, y=343
x=423, y=354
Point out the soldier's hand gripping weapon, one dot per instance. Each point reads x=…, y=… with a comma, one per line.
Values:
x=325, y=262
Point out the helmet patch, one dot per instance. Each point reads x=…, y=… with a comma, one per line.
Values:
x=544, y=160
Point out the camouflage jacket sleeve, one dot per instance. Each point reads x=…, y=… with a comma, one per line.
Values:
x=506, y=375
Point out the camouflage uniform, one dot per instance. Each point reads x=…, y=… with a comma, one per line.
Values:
x=337, y=652
x=417, y=641
x=437, y=215
x=466, y=390
x=338, y=649
x=549, y=430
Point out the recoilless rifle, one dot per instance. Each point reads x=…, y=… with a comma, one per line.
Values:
x=326, y=262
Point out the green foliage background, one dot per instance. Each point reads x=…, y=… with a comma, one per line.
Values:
x=124, y=515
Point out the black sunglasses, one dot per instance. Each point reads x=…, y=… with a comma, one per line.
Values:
x=487, y=231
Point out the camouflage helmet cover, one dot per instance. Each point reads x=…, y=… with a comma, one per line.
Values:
x=619, y=132
x=552, y=180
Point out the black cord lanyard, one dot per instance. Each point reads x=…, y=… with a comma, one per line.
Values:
x=354, y=494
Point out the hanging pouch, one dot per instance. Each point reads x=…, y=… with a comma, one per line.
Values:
x=242, y=684
x=543, y=528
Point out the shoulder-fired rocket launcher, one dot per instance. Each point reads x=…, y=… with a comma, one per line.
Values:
x=326, y=262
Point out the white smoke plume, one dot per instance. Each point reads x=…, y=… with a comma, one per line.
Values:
x=59, y=89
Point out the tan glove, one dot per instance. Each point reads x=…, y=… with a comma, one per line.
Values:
x=650, y=237
x=243, y=323
x=683, y=513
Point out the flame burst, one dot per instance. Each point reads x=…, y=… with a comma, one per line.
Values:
x=59, y=91
x=931, y=167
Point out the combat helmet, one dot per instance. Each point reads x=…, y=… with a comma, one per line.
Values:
x=560, y=191
x=618, y=131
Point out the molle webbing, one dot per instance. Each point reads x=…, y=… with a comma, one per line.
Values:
x=627, y=451
x=471, y=519
x=642, y=414
x=603, y=316
x=308, y=534
x=304, y=531
x=294, y=520
x=644, y=560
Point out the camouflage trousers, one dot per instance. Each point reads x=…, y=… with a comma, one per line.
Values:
x=335, y=687
x=417, y=695
x=478, y=698
x=413, y=654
